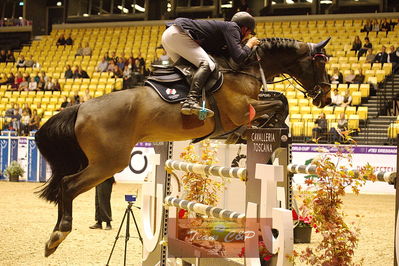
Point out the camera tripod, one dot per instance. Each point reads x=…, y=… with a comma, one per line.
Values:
x=128, y=213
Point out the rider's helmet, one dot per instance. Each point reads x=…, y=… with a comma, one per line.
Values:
x=244, y=19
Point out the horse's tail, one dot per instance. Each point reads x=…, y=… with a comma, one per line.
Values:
x=57, y=142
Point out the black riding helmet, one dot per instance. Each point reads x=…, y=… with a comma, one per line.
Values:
x=244, y=19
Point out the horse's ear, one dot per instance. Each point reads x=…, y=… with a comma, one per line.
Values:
x=322, y=44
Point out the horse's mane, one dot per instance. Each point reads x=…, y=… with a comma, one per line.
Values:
x=278, y=43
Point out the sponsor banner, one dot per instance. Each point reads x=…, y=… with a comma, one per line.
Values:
x=382, y=158
x=4, y=145
x=32, y=160
x=22, y=155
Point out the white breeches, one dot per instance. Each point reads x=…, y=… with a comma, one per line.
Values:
x=178, y=44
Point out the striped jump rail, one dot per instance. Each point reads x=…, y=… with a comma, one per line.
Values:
x=388, y=177
x=200, y=208
x=228, y=172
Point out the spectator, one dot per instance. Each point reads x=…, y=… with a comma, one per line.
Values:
x=82, y=74
x=349, y=79
x=106, y=56
x=25, y=107
x=34, y=122
x=76, y=97
x=367, y=44
x=61, y=40
x=359, y=78
x=342, y=125
x=117, y=73
x=16, y=120
x=49, y=86
x=44, y=76
x=375, y=26
x=356, y=45
x=111, y=66
x=69, y=40
x=40, y=110
x=336, y=99
x=79, y=52
x=86, y=96
x=10, y=79
x=76, y=72
x=321, y=127
x=20, y=62
x=141, y=64
x=382, y=56
x=103, y=211
x=24, y=123
x=10, y=57
x=72, y=101
x=32, y=86
x=41, y=84
x=86, y=51
x=30, y=62
x=393, y=57
x=370, y=56
x=37, y=78
x=114, y=57
x=57, y=85
x=336, y=77
x=123, y=56
x=127, y=77
x=10, y=111
x=347, y=99
x=366, y=27
x=64, y=104
x=18, y=80
x=102, y=66
x=121, y=63
x=68, y=72
x=3, y=56
x=385, y=27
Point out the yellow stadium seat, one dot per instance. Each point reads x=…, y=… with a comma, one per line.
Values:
x=295, y=118
x=297, y=129
x=328, y=110
x=294, y=109
x=308, y=129
x=362, y=111
x=350, y=110
x=353, y=87
x=364, y=90
x=330, y=118
x=339, y=110
x=304, y=109
x=376, y=66
x=356, y=98
x=353, y=122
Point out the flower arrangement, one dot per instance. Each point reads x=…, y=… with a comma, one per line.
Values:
x=14, y=171
x=264, y=254
x=301, y=221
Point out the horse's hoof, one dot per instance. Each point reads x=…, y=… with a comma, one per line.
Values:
x=49, y=251
x=55, y=240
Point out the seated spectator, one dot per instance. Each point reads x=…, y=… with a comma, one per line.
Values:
x=79, y=52
x=102, y=66
x=30, y=62
x=111, y=66
x=127, y=77
x=141, y=64
x=106, y=56
x=44, y=76
x=34, y=122
x=68, y=72
x=69, y=40
x=86, y=96
x=25, y=107
x=24, y=123
x=57, y=85
x=20, y=62
x=10, y=111
x=3, y=56
x=321, y=127
x=359, y=78
x=37, y=77
x=366, y=27
x=82, y=74
x=49, y=86
x=120, y=63
x=10, y=79
x=393, y=57
x=61, y=40
x=336, y=77
x=367, y=44
x=336, y=98
x=349, y=79
x=117, y=73
x=76, y=97
x=64, y=104
x=370, y=56
x=40, y=110
x=10, y=57
x=3, y=79
x=86, y=51
x=114, y=57
x=347, y=99
x=382, y=56
x=356, y=45
x=18, y=79
x=75, y=72
x=385, y=27
x=123, y=56
x=32, y=86
x=375, y=26
x=342, y=125
x=16, y=120
x=41, y=84
x=72, y=101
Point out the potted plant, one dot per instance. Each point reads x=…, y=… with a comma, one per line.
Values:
x=302, y=227
x=14, y=171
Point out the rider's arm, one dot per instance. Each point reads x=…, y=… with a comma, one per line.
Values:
x=233, y=40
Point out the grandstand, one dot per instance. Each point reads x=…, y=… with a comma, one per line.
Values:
x=144, y=37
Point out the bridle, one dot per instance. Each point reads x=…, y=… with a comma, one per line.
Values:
x=313, y=93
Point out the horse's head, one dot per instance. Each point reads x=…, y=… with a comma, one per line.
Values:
x=305, y=62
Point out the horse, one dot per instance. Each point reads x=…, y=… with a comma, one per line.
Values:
x=88, y=143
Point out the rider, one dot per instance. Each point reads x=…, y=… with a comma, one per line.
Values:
x=193, y=39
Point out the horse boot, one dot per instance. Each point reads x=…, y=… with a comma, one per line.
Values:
x=191, y=105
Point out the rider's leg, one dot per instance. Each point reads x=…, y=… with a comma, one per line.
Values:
x=177, y=43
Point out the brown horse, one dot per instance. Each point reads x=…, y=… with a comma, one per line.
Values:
x=88, y=143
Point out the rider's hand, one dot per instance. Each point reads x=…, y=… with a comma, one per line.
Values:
x=252, y=42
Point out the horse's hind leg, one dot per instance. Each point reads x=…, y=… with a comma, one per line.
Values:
x=71, y=187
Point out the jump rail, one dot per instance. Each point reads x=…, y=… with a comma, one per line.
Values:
x=228, y=172
x=388, y=177
x=204, y=209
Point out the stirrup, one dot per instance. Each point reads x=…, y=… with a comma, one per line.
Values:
x=196, y=109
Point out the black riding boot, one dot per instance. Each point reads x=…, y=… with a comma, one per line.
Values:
x=190, y=105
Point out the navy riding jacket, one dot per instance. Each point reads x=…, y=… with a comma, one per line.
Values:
x=215, y=37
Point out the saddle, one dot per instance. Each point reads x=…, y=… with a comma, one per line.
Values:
x=173, y=83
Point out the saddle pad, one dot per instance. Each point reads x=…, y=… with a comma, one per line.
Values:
x=175, y=92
